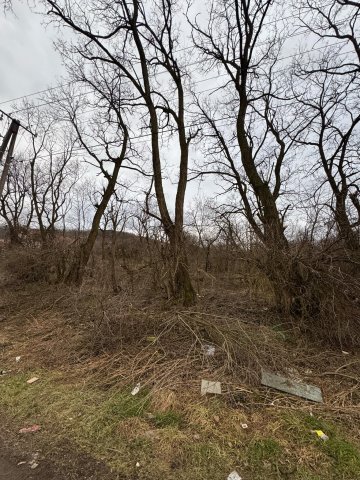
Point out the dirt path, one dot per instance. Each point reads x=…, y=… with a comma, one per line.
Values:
x=11, y=471
x=57, y=462
x=11, y=468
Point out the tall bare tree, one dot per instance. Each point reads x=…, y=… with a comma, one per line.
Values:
x=107, y=123
x=327, y=88
x=231, y=41
x=252, y=152
x=138, y=39
x=332, y=141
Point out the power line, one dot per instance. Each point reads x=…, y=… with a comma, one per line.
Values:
x=168, y=131
x=171, y=129
x=17, y=121
x=136, y=137
x=52, y=102
x=138, y=63
x=214, y=88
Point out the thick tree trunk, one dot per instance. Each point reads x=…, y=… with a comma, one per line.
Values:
x=182, y=286
x=284, y=278
x=75, y=275
x=346, y=232
x=14, y=236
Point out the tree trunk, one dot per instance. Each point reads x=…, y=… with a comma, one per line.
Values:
x=207, y=258
x=103, y=238
x=77, y=270
x=278, y=270
x=114, y=283
x=14, y=235
x=75, y=275
x=346, y=232
x=182, y=286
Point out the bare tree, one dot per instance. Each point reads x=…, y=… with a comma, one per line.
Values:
x=252, y=152
x=327, y=88
x=339, y=20
x=16, y=206
x=52, y=182
x=117, y=216
x=53, y=170
x=333, y=142
x=231, y=41
x=82, y=206
x=138, y=39
x=202, y=220
x=108, y=125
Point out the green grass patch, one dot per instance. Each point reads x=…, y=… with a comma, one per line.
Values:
x=343, y=455
x=205, y=460
x=265, y=449
x=346, y=457
x=168, y=419
x=182, y=444
x=124, y=405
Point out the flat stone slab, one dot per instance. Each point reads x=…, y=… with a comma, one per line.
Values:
x=284, y=384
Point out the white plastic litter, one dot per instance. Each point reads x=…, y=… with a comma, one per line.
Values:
x=17, y=359
x=234, y=476
x=32, y=380
x=208, y=386
x=244, y=425
x=209, y=350
x=136, y=389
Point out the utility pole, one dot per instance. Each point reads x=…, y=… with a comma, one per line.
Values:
x=10, y=136
x=9, y=139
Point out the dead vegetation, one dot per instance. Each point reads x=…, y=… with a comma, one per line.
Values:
x=91, y=346
x=123, y=298
x=138, y=335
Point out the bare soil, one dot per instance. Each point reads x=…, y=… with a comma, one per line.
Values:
x=62, y=462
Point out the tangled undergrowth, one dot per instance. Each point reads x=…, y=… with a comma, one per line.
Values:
x=89, y=349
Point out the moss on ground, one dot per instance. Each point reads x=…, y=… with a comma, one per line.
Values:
x=203, y=440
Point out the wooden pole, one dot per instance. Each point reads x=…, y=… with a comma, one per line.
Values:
x=5, y=141
x=13, y=130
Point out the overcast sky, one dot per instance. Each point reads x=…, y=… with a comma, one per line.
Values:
x=30, y=63
x=28, y=60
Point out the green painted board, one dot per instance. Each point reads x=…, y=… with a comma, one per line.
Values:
x=310, y=392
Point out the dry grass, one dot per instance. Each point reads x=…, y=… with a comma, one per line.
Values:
x=91, y=347
x=164, y=350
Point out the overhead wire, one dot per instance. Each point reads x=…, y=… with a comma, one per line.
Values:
x=137, y=63
x=170, y=130
x=196, y=82
x=52, y=102
x=159, y=73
